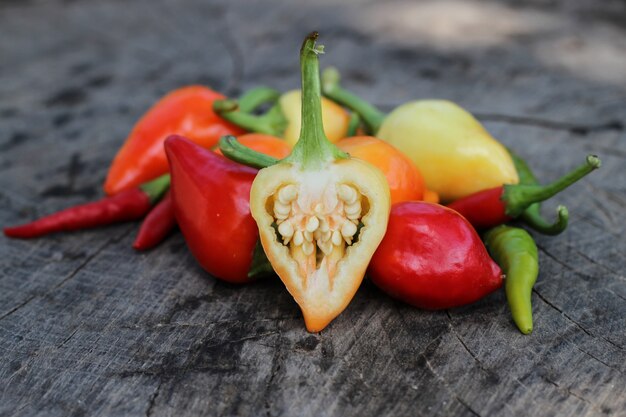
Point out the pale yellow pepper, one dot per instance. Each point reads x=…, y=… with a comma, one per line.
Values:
x=455, y=154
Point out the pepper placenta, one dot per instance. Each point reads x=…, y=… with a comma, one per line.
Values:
x=186, y=111
x=432, y=258
x=159, y=222
x=284, y=119
x=516, y=253
x=532, y=214
x=495, y=206
x=452, y=150
x=320, y=214
x=124, y=206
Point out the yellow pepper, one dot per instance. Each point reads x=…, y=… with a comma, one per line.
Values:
x=455, y=154
x=321, y=215
x=284, y=119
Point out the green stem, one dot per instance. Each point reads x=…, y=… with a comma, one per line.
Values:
x=156, y=188
x=372, y=117
x=228, y=109
x=532, y=215
x=232, y=149
x=313, y=150
x=353, y=125
x=256, y=97
x=518, y=197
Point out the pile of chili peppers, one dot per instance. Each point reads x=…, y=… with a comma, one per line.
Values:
x=322, y=189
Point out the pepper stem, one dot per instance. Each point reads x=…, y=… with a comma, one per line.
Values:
x=313, y=149
x=271, y=123
x=532, y=217
x=234, y=150
x=256, y=97
x=156, y=188
x=518, y=197
x=372, y=117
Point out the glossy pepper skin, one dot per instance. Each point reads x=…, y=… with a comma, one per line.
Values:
x=211, y=196
x=187, y=111
x=284, y=120
x=161, y=220
x=515, y=251
x=495, y=206
x=404, y=179
x=124, y=206
x=532, y=214
x=159, y=223
x=432, y=258
x=320, y=214
x=452, y=150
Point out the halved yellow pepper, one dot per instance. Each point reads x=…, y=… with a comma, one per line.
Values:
x=453, y=151
x=321, y=215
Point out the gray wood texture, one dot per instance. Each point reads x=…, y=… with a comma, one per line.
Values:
x=90, y=328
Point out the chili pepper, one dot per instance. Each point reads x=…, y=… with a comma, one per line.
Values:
x=320, y=214
x=284, y=120
x=453, y=151
x=432, y=258
x=124, y=206
x=210, y=195
x=186, y=111
x=532, y=214
x=489, y=208
x=516, y=253
x=159, y=222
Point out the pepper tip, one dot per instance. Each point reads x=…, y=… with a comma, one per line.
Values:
x=594, y=161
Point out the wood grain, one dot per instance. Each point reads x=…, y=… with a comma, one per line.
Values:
x=90, y=328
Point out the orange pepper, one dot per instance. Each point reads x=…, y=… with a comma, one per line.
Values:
x=404, y=179
x=187, y=111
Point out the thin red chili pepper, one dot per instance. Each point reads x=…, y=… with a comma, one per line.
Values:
x=157, y=225
x=495, y=206
x=124, y=206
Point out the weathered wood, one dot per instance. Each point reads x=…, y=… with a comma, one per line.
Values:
x=88, y=327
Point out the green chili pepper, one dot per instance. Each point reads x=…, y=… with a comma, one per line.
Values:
x=516, y=252
x=532, y=215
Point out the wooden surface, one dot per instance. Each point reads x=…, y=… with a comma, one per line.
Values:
x=90, y=328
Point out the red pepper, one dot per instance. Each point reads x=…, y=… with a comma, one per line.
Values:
x=495, y=206
x=186, y=111
x=432, y=258
x=124, y=206
x=157, y=225
x=211, y=198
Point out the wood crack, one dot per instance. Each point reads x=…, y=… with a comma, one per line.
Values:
x=449, y=388
x=570, y=393
x=587, y=332
x=276, y=359
x=599, y=360
x=69, y=276
x=575, y=128
x=152, y=399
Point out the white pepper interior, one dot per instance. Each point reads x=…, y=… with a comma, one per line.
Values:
x=317, y=228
